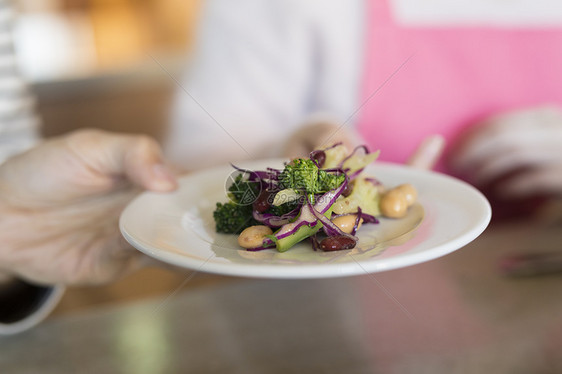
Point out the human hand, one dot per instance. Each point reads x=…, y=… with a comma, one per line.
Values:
x=515, y=155
x=322, y=134
x=60, y=204
x=316, y=135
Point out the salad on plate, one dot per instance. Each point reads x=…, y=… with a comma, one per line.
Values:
x=325, y=198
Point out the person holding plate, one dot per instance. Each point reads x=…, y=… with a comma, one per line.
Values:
x=484, y=75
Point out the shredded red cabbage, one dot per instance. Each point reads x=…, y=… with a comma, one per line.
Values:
x=272, y=220
x=310, y=213
x=374, y=181
x=315, y=243
x=330, y=228
x=357, y=221
x=367, y=218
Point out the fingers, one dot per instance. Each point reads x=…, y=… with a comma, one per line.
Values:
x=533, y=182
x=140, y=159
x=509, y=141
x=512, y=160
x=328, y=134
x=317, y=135
x=485, y=143
x=428, y=153
x=296, y=149
x=506, y=154
x=137, y=157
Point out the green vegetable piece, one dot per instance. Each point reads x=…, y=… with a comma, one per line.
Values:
x=334, y=156
x=233, y=218
x=300, y=175
x=365, y=194
x=283, y=208
x=359, y=161
x=236, y=215
x=303, y=176
x=302, y=233
x=242, y=191
x=327, y=181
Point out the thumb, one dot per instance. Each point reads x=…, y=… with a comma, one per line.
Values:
x=137, y=157
x=140, y=158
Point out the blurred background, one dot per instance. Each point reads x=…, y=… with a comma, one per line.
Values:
x=92, y=63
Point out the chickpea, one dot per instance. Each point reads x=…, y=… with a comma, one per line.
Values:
x=252, y=237
x=409, y=192
x=346, y=223
x=393, y=204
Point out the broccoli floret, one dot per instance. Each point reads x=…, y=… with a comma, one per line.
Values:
x=283, y=208
x=242, y=191
x=327, y=181
x=233, y=218
x=300, y=175
x=303, y=175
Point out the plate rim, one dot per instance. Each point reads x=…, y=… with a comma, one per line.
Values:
x=317, y=270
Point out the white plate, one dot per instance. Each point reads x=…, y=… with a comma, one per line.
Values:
x=178, y=228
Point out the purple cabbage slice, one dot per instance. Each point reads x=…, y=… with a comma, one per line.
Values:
x=315, y=243
x=329, y=227
x=364, y=147
x=272, y=220
x=357, y=221
x=311, y=213
x=308, y=215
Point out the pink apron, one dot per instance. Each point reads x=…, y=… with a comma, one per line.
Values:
x=454, y=77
